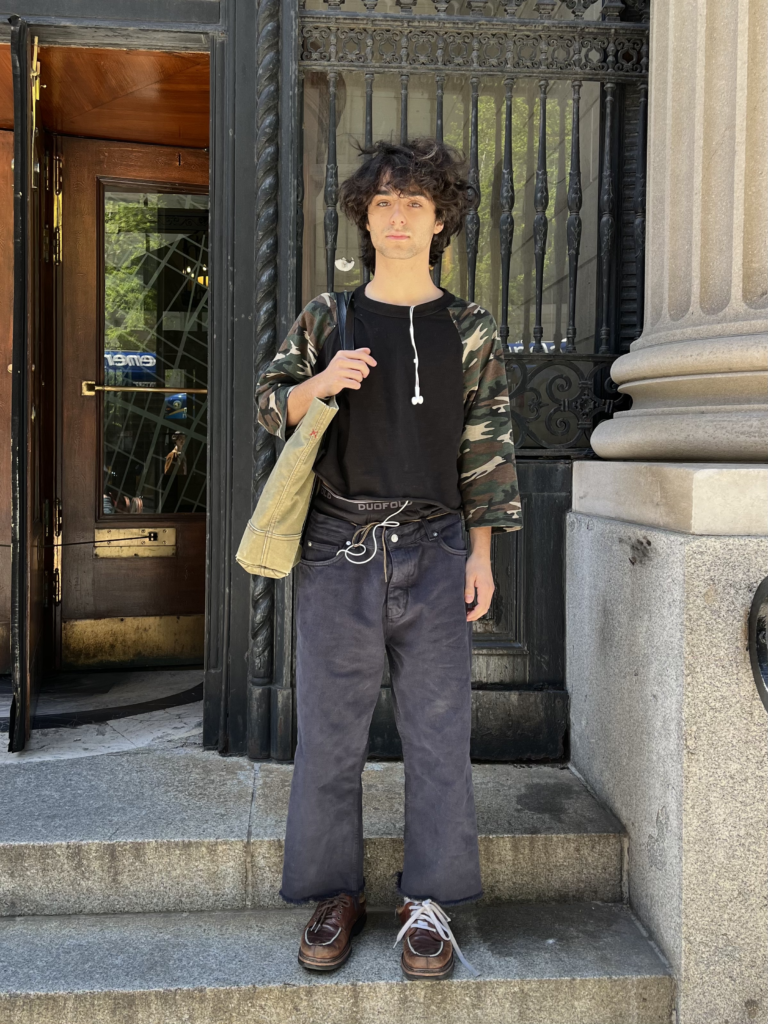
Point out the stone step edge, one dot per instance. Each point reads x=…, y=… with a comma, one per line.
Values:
x=194, y=875
x=584, y=963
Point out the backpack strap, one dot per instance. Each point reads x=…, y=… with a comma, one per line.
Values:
x=345, y=324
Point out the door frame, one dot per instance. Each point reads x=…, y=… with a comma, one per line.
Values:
x=231, y=31
x=26, y=634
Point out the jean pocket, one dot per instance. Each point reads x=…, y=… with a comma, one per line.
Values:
x=452, y=540
x=316, y=552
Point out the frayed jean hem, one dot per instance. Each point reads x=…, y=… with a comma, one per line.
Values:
x=318, y=899
x=443, y=903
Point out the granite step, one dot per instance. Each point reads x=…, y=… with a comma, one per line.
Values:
x=187, y=830
x=576, y=963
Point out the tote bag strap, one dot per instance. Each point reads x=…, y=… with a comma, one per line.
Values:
x=346, y=324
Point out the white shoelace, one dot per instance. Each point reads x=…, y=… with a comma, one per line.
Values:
x=430, y=915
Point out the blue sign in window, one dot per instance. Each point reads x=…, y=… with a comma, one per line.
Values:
x=127, y=368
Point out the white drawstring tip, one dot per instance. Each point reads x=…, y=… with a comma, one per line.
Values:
x=417, y=400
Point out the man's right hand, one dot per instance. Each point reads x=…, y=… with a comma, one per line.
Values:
x=345, y=370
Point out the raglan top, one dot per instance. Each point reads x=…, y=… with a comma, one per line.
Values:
x=453, y=448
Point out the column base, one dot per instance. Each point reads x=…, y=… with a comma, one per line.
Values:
x=700, y=400
x=699, y=498
x=709, y=436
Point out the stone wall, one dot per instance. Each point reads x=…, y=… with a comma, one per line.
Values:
x=669, y=731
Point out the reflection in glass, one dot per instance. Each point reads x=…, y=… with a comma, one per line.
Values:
x=155, y=336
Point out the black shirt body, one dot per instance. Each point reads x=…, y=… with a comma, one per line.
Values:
x=380, y=444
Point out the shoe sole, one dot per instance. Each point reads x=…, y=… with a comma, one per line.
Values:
x=444, y=972
x=332, y=965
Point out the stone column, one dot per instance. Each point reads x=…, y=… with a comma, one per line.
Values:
x=698, y=375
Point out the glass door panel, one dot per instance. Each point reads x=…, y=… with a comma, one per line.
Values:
x=155, y=340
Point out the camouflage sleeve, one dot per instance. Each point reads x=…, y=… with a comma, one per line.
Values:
x=294, y=362
x=487, y=472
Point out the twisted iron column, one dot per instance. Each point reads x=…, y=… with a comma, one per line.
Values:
x=262, y=589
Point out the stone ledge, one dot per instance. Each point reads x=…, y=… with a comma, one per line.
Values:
x=577, y=963
x=153, y=831
x=698, y=498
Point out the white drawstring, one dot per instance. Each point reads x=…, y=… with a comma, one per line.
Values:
x=417, y=396
x=356, y=558
x=430, y=915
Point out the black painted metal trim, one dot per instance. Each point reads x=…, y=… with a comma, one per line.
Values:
x=218, y=566
x=19, y=385
x=129, y=12
x=289, y=298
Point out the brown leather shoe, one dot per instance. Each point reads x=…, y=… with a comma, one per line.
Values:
x=325, y=942
x=427, y=945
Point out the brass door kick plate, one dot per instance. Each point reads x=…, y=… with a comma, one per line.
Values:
x=135, y=542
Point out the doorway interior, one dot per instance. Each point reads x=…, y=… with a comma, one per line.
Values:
x=117, y=445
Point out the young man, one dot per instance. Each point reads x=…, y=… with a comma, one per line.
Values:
x=422, y=439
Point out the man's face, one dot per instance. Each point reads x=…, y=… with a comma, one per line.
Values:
x=401, y=226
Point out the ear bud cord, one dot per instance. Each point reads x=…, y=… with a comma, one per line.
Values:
x=417, y=396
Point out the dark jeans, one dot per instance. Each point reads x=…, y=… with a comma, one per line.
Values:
x=349, y=620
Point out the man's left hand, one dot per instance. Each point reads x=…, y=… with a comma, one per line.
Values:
x=478, y=577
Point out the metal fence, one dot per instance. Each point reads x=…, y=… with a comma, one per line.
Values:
x=488, y=57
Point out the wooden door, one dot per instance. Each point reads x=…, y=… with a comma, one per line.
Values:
x=133, y=368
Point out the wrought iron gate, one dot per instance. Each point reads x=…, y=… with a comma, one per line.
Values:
x=524, y=87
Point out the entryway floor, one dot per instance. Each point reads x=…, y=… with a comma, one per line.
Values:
x=82, y=698
x=174, y=727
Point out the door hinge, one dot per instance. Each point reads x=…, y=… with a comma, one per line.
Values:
x=58, y=191
x=57, y=520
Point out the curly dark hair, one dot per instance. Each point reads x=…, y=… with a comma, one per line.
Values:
x=421, y=166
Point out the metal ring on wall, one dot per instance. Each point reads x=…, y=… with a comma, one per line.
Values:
x=758, y=640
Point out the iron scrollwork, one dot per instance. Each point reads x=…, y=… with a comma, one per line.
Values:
x=579, y=7
x=558, y=399
x=561, y=49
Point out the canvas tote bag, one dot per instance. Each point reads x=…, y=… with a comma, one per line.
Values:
x=271, y=544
